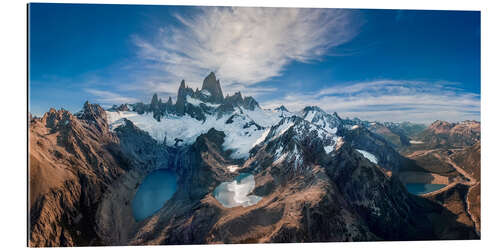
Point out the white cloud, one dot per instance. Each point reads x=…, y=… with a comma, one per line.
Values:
x=245, y=45
x=107, y=97
x=390, y=100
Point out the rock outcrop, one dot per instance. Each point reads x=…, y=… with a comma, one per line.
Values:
x=212, y=85
x=441, y=134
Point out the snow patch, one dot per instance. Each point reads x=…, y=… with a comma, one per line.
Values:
x=262, y=137
x=206, y=93
x=329, y=149
x=235, y=193
x=280, y=159
x=371, y=157
x=310, y=115
x=197, y=102
x=416, y=142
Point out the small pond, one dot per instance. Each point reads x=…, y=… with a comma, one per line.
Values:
x=156, y=189
x=235, y=193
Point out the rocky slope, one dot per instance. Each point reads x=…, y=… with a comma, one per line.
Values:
x=398, y=135
x=441, y=134
x=72, y=160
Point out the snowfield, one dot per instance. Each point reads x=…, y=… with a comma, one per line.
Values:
x=238, y=138
x=243, y=128
x=197, y=102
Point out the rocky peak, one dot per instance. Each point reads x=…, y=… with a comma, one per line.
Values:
x=54, y=118
x=212, y=85
x=250, y=103
x=235, y=99
x=322, y=119
x=94, y=114
x=336, y=116
x=122, y=107
x=309, y=109
x=440, y=127
x=181, y=98
x=281, y=108
x=154, y=101
x=294, y=140
x=157, y=107
x=471, y=128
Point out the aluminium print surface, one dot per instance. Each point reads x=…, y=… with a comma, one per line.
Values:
x=166, y=125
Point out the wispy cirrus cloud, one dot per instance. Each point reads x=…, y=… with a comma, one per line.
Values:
x=108, y=97
x=390, y=100
x=244, y=45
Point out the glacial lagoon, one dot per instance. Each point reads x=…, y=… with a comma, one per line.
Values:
x=156, y=189
x=423, y=188
x=236, y=193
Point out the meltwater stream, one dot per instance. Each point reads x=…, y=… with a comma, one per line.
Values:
x=156, y=189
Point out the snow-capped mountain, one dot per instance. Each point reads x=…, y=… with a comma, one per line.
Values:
x=244, y=123
x=196, y=112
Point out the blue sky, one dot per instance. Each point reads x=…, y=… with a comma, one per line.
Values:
x=385, y=65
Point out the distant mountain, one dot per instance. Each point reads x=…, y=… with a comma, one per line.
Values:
x=444, y=134
x=399, y=134
x=317, y=177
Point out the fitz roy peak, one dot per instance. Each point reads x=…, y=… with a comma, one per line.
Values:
x=212, y=86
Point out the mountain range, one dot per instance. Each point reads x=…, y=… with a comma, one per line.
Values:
x=316, y=177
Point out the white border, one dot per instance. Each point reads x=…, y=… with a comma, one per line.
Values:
x=13, y=113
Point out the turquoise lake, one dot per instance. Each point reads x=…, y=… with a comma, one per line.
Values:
x=157, y=188
x=422, y=188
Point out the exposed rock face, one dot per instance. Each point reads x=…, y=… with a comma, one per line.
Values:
x=397, y=134
x=398, y=140
x=235, y=99
x=122, y=107
x=456, y=205
x=444, y=134
x=362, y=138
x=250, y=103
x=196, y=103
x=469, y=160
x=181, y=98
x=212, y=85
x=72, y=160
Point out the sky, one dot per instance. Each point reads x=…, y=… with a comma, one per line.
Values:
x=377, y=65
